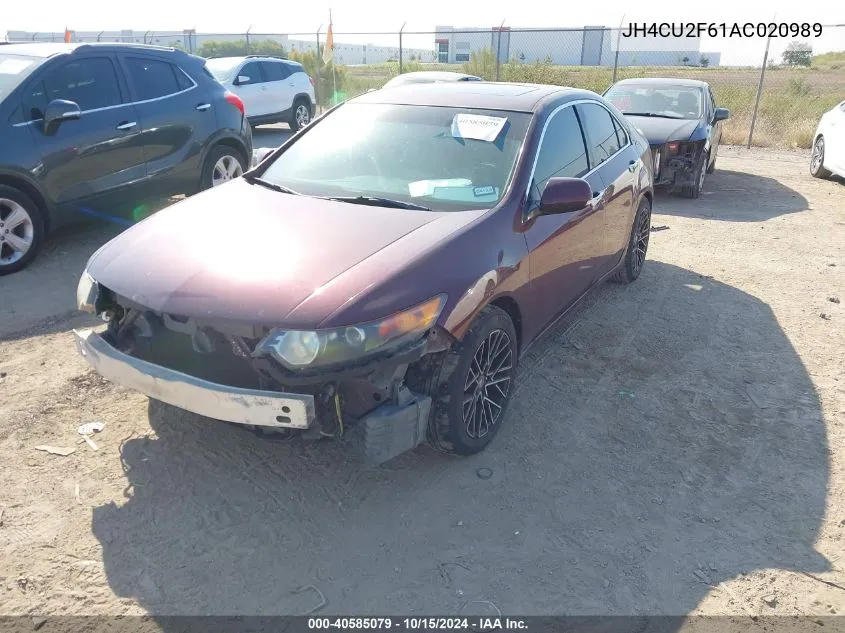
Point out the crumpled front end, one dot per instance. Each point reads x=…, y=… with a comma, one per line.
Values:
x=224, y=371
x=676, y=163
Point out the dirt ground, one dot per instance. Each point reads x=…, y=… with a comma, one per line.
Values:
x=675, y=447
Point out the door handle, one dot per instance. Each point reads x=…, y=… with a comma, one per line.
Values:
x=126, y=125
x=264, y=87
x=203, y=107
x=632, y=166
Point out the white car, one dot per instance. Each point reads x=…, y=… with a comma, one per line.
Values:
x=829, y=144
x=274, y=90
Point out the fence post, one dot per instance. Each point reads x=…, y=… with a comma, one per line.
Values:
x=247, y=38
x=319, y=61
x=616, y=57
x=400, y=46
x=499, y=49
x=759, y=92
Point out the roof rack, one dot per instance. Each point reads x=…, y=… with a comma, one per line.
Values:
x=126, y=44
x=270, y=56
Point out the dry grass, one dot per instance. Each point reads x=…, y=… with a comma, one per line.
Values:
x=792, y=102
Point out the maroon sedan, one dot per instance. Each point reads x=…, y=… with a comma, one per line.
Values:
x=381, y=273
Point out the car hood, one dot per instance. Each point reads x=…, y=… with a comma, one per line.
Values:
x=245, y=253
x=658, y=131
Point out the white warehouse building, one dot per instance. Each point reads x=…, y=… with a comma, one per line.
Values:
x=587, y=46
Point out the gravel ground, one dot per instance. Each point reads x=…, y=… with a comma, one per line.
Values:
x=675, y=447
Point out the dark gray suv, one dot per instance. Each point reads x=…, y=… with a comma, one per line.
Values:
x=93, y=129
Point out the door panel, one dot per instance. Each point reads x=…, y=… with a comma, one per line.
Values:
x=178, y=119
x=606, y=139
x=279, y=86
x=253, y=93
x=88, y=159
x=564, y=247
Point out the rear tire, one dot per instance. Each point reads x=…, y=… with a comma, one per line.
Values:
x=634, y=260
x=472, y=385
x=21, y=230
x=300, y=114
x=220, y=159
x=817, y=169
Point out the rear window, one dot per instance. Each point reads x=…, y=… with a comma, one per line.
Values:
x=14, y=69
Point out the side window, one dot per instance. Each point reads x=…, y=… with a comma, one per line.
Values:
x=562, y=152
x=600, y=131
x=253, y=71
x=91, y=83
x=152, y=78
x=621, y=134
x=274, y=71
x=182, y=79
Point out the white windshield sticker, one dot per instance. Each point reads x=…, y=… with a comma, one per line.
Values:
x=13, y=66
x=478, y=127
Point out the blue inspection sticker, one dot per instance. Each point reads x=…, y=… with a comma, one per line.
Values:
x=489, y=190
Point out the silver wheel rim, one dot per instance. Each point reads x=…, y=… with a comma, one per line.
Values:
x=818, y=154
x=17, y=232
x=225, y=169
x=487, y=384
x=302, y=116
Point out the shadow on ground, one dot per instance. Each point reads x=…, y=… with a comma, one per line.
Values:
x=736, y=197
x=670, y=435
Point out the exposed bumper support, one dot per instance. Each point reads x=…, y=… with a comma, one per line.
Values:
x=221, y=402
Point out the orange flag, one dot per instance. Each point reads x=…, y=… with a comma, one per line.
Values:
x=328, y=49
x=68, y=37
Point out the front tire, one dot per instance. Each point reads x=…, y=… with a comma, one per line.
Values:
x=817, y=169
x=473, y=385
x=632, y=264
x=21, y=230
x=694, y=190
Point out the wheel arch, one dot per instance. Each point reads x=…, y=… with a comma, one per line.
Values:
x=31, y=190
x=511, y=307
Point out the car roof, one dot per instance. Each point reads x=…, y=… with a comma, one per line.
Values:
x=663, y=81
x=49, y=49
x=486, y=95
x=434, y=75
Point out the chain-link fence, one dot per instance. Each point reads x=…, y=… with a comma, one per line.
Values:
x=776, y=89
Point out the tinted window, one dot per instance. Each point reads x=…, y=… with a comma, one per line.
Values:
x=91, y=83
x=253, y=71
x=562, y=152
x=600, y=131
x=182, y=79
x=152, y=78
x=275, y=71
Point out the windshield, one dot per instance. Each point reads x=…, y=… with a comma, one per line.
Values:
x=674, y=102
x=223, y=67
x=440, y=158
x=13, y=70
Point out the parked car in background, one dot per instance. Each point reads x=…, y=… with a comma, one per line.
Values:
x=428, y=77
x=828, y=155
x=87, y=129
x=683, y=126
x=274, y=90
x=479, y=218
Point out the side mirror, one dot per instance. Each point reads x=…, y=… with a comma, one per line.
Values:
x=59, y=110
x=721, y=114
x=564, y=195
x=241, y=79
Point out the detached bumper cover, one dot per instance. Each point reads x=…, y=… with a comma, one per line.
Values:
x=220, y=402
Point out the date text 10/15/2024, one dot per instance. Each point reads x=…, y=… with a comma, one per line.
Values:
x=417, y=624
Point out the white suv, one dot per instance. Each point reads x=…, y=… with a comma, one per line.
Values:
x=273, y=89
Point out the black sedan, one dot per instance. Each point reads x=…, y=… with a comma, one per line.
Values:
x=683, y=126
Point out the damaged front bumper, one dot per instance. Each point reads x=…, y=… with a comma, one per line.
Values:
x=221, y=402
x=676, y=170
x=391, y=424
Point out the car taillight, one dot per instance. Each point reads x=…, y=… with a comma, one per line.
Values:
x=311, y=79
x=673, y=148
x=235, y=100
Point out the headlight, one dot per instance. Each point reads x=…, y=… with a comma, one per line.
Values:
x=86, y=293
x=297, y=348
